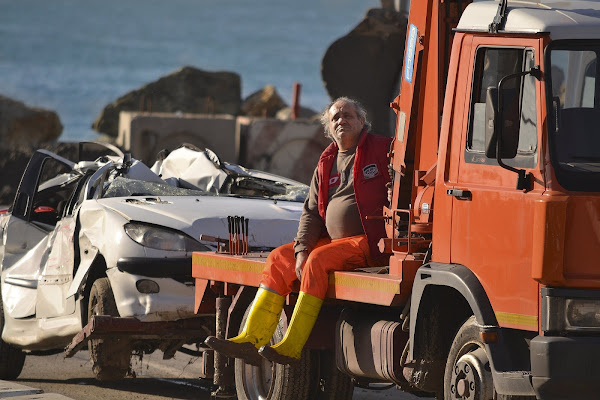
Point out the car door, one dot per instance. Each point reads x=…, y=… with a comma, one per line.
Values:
x=31, y=228
x=492, y=219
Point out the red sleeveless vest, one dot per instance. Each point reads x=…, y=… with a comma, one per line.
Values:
x=370, y=176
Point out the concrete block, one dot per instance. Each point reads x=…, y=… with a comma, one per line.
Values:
x=16, y=390
x=43, y=396
x=145, y=134
x=283, y=147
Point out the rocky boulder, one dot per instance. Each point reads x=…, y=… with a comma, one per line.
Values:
x=263, y=103
x=188, y=90
x=23, y=125
x=366, y=65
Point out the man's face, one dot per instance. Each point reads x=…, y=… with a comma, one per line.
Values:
x=344, y=124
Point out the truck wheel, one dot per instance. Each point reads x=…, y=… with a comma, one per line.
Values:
x=272, y=381
x=110, y=357
x=331, y=383
x=468, y=374
x=11, y=358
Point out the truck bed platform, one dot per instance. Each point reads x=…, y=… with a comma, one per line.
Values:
x=369, y=285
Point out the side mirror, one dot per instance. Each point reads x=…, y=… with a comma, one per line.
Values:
x=506, y=124
x=503, y=133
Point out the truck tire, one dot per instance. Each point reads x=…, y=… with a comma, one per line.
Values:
x=111, y=358
x=11, y=358
x=272, y=381
x=467, y=368
x=330, y=383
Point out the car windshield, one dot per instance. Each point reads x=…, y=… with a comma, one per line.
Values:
x=187, y=172
x=124, y=187
x=575, y=114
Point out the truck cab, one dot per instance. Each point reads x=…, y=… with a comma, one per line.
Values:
x=513, y=211
x=492, y=290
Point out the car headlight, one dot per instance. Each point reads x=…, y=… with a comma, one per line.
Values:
x=565, y=310
x=162, y=238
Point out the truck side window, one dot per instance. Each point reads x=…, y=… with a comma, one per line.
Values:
x=491, y=65
x=589, y=85
x=575, y=114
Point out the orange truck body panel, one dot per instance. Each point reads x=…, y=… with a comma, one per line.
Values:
x=474, y=233
x=362, y=287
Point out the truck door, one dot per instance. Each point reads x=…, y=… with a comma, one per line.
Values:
x=491, y=230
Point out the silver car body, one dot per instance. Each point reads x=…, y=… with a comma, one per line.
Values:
x=47, y=259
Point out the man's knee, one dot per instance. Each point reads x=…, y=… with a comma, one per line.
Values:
x=284, y=252
x=280, y=263
x=318, y=259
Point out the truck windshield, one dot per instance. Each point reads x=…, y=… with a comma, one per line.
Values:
x=574, y=125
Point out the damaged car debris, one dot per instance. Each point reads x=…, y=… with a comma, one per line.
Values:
x=112, y=237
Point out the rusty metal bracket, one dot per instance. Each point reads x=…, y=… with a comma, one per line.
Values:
x=104, y=326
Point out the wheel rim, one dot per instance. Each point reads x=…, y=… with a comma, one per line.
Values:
x=258, y=380
x=471, y=374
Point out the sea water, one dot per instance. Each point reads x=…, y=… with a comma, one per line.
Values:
x=77, y=56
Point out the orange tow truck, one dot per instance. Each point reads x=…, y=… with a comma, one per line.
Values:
x=493, y=285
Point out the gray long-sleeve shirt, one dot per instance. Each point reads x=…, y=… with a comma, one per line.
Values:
x=342, y=218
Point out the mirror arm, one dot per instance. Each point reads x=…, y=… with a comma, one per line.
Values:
x=525, y=179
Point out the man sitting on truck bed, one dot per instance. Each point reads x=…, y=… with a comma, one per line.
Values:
x=334, y=234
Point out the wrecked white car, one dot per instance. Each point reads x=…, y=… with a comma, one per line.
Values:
x=114, y=237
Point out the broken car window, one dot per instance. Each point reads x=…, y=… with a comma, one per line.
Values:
x=123, y=187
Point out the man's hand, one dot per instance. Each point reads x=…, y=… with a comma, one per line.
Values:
x=301, y=258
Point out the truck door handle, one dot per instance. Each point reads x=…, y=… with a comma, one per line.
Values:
x=460, y=194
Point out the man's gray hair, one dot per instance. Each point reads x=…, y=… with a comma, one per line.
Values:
x=360, y=111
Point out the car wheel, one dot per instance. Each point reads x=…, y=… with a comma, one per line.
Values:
x=111, y=358
x=468, y=374
x=11, y=358
x=271, y=381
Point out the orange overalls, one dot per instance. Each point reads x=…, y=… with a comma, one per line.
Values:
x=346, y=253
x=327, y=256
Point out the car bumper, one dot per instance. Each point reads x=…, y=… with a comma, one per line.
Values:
x=179, y=268
x=174, y=299
x=565, y=367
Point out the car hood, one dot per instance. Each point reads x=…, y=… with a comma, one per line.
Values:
x=271, y=223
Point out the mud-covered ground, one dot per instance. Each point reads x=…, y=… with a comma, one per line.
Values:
x=156, y=379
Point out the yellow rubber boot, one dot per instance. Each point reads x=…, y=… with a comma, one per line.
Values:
x=260, y=325
x=302, y=322
x=262, y=319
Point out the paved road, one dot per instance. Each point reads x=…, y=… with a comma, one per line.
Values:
x=156, y=379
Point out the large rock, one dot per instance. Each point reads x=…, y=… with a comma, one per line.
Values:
x=22, y=125
x=188, y=90
x=263, y=103
x=366, y=65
